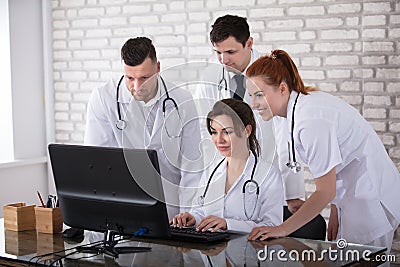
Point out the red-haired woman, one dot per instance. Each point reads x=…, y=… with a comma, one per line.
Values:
x=346, y=158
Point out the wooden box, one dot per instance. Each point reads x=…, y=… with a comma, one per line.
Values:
x=48, y=220
x=19, y=217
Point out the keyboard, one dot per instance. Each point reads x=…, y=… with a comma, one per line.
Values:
x=190, y=234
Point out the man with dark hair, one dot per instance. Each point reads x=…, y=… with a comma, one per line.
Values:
x=136, y=50
x=233, y=46
x=141, y=110
x=230, y=26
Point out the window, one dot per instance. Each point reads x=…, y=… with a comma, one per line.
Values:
x=6, y=125
x=22, y=107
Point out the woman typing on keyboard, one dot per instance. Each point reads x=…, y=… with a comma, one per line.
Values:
x=239, y=191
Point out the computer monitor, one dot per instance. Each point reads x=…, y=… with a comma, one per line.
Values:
x=109, y=189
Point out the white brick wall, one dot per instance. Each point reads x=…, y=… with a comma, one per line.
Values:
x=347, y=47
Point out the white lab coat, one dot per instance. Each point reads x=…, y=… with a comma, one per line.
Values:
x=177, y=157
x=329, y=133
x=269, y=134
x=293, y=182
x=268, y=208
x=102, y=114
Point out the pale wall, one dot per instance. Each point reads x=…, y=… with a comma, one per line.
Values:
x=347, y=48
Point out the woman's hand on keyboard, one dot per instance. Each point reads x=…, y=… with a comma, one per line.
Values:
x=212, y=221
x=183, y=219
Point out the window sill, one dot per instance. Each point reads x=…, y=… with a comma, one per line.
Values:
x=23, y=162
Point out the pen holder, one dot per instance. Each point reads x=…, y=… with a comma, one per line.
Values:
x=48, y=220
x=19, y=217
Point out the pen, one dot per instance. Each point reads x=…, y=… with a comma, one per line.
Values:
x=51, y=201
x=41, y=200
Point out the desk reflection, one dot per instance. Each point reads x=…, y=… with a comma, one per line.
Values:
x=240, y=252
x=235, y=252
x=28, y=245
x=20, y=243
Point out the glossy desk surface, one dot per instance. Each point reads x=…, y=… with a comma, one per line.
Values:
x=23, y=248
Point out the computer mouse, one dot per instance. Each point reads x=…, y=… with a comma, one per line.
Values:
x=72, y=233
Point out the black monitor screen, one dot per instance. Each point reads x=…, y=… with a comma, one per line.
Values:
x=102, y=189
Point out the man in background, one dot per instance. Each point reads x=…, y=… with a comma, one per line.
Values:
x=233, y=46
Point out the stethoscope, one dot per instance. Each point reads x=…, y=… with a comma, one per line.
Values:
x=121, y=123
x=248, y=182
x=222, y=81
x=293, y=165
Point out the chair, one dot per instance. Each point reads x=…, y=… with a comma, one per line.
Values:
x=314, y=229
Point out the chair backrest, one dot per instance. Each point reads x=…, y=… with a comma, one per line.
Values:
x=314, y=229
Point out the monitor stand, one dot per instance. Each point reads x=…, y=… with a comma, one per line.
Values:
x=108, y=248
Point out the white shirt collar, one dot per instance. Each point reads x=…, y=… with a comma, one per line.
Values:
x=254, y=56
x=247, y=169
x=249, y=166
x=246, y=174
x=125, y=95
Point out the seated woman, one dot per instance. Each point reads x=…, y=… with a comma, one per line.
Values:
x=238, y=192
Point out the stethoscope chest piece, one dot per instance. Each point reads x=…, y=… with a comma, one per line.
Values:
x=200, y=200
x=251, y=186
x=294, y=166
x=120, y=124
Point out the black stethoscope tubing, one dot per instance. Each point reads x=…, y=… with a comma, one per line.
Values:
x=118, y=107
x=251, y=180
x=294, y=166
x=294, y=107
x=168, y=98
x=223, y=80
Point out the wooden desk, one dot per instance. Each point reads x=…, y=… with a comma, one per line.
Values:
x=20, y=248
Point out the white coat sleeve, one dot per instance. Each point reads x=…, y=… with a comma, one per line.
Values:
x=198, y=214
x=192, y=164
x=196, y=210
x=98, y=130
x=271, y=205
x=204, y=102
x=319, y=141
x=293, y=182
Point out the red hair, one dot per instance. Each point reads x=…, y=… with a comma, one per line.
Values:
x=277, y=68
